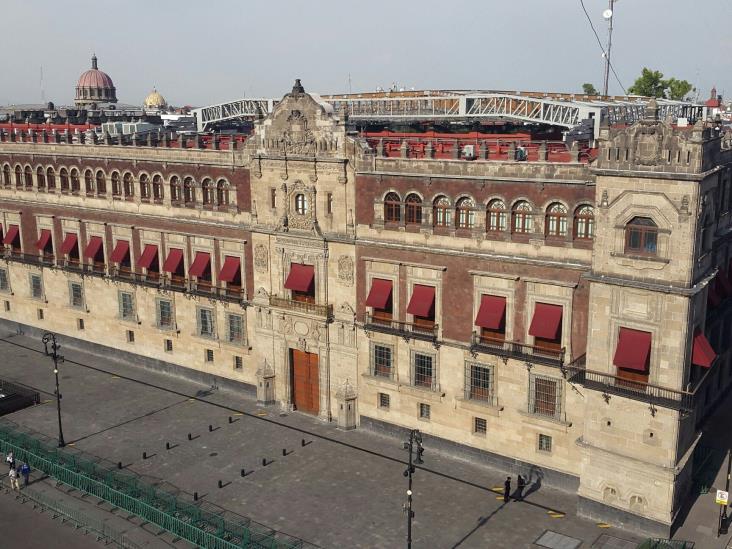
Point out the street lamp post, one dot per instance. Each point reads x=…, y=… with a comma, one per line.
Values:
x=415, y=438
x=49, y=338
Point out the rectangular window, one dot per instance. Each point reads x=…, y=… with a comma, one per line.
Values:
x=381, y=360
x=423, y=372
x=478, y=382
x=238, y=363
x=545, y=396
x=329, y=203
x=36, y=286
x=236, y=329
x=164, y=314
x=205, y=322
x=545, y=443
x=209, y=355
x=384, y=401
x=6, y=306
x=40, y=314
x=126, y=306
x=76, y=295
x=273, y=198
x=480, y=426
x=168, y=345
x=4, y=284
x=424, y=411
x=80, y=323
x=130, y=336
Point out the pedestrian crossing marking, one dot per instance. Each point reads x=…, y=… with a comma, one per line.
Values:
x=602, y=525
x=238, y=414
x=497, y=488
x=555, y=514
x=261, y=413
x=116, y=377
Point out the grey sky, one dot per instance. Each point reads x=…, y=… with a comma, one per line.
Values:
x=204, y=52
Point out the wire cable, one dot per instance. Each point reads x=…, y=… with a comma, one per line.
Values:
x=602, y=48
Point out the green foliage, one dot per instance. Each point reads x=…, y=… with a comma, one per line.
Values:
x=589, y=89
x=652, y=84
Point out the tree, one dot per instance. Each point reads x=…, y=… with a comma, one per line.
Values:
x=589, y=89
x=652, y=84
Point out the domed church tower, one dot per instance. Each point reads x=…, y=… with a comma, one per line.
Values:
x=95, y=86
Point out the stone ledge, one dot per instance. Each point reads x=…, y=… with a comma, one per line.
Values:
x=595, y=510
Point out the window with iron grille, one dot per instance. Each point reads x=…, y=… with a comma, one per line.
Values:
x=381, y=360
x=209, y=355
x=4, y=284
x=126, y=304
x=130, y=336
x=168, y=346
x=36, y=286
x=423, y=370
x=238, y=363
x=164, y=314
x=545, y=396
x=384, y=401
x=478, y=382
x=205, y=322
x=236, y=329
x=545, y=443
x=480, y=426
x=424, y=411
x=76, y=295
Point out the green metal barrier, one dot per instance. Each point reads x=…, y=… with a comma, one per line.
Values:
x=202, y=524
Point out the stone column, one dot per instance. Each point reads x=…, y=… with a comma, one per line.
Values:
x=266, y=385
x=346, y=402
x=543, y=152
x=404, y=149
x=380, y=148
x=455, y=150
x=429, y=150
x=483, y=151
x=512, y=151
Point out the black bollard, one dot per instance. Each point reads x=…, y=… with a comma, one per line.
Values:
x=221, y=484
x=195, y=496
x=189, y=437
x=231, y=419
x=167, y=445
x=302, y=442
x=210, y=428
x=144, y=455
x=264, y=462
x=284, y=452
x=243, y=472
x=119, y=465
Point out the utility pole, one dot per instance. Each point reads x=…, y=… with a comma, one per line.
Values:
x=415, y=438
x=608, y=14
x=48, y=337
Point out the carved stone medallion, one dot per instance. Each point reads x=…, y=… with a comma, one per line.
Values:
x=345, y=270
x=261, y=258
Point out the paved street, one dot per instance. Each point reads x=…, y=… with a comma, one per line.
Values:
x=118, y=412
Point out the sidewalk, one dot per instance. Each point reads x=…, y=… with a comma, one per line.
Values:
x=342, y=489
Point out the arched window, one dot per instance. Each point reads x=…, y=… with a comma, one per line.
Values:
x=41, y=177
x=75, y=185
x=18, y=176
x=523, y=219
x=127, y=186
x=222, y=193
x=175, y=190
x=496, y=218
x=641, y=236
x=144, y=187
x=301, y=204
x=116, y=189
x=28, y=177
x=465, y=213
x=392, y=208
x=556, y=220
x=441, y=212
x=64, y=176
x=101, y=183
x=6, y=175
x=584, y=223
x=88, y=182
x=189, y=191
x=413, y=210
x=207, y=191
x=157, y=187
x=51, y=178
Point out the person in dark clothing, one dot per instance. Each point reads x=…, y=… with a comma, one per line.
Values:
x=25, y=471
x=506, y=489
x=521, y=484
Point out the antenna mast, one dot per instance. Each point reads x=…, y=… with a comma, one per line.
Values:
x=608, y=14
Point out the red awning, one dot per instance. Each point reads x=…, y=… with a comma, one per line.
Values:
x=633, y=350
x=148, y=255
x=198, y=267
x=44, y=239
x=702, y=353
x=229, y=270
x=379, y=294
x=301, y=278
x=175, y=256
x=422, y=302
x=93, y=247
x=492, y=312
x=547, y=321
x=13, y=232
x=68, y=243
x=120, y=251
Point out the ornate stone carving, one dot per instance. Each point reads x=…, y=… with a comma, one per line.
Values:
x=261, y=258
x=300, y=215
x=286, y=324
x=302, y=344
x=345, y=270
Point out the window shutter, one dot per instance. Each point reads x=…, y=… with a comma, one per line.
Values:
x=199, y=318
x=120, y=304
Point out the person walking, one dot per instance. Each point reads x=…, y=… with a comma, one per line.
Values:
x=10, y=460
x=521, y=484
x=506, y=489
x=25, y=471
x=14, y=484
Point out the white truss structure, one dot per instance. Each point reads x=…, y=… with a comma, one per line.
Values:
x=475, y=106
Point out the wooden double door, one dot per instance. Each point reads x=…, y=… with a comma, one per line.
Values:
x=304, y=381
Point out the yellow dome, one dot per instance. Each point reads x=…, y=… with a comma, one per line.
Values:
x=155, y=101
